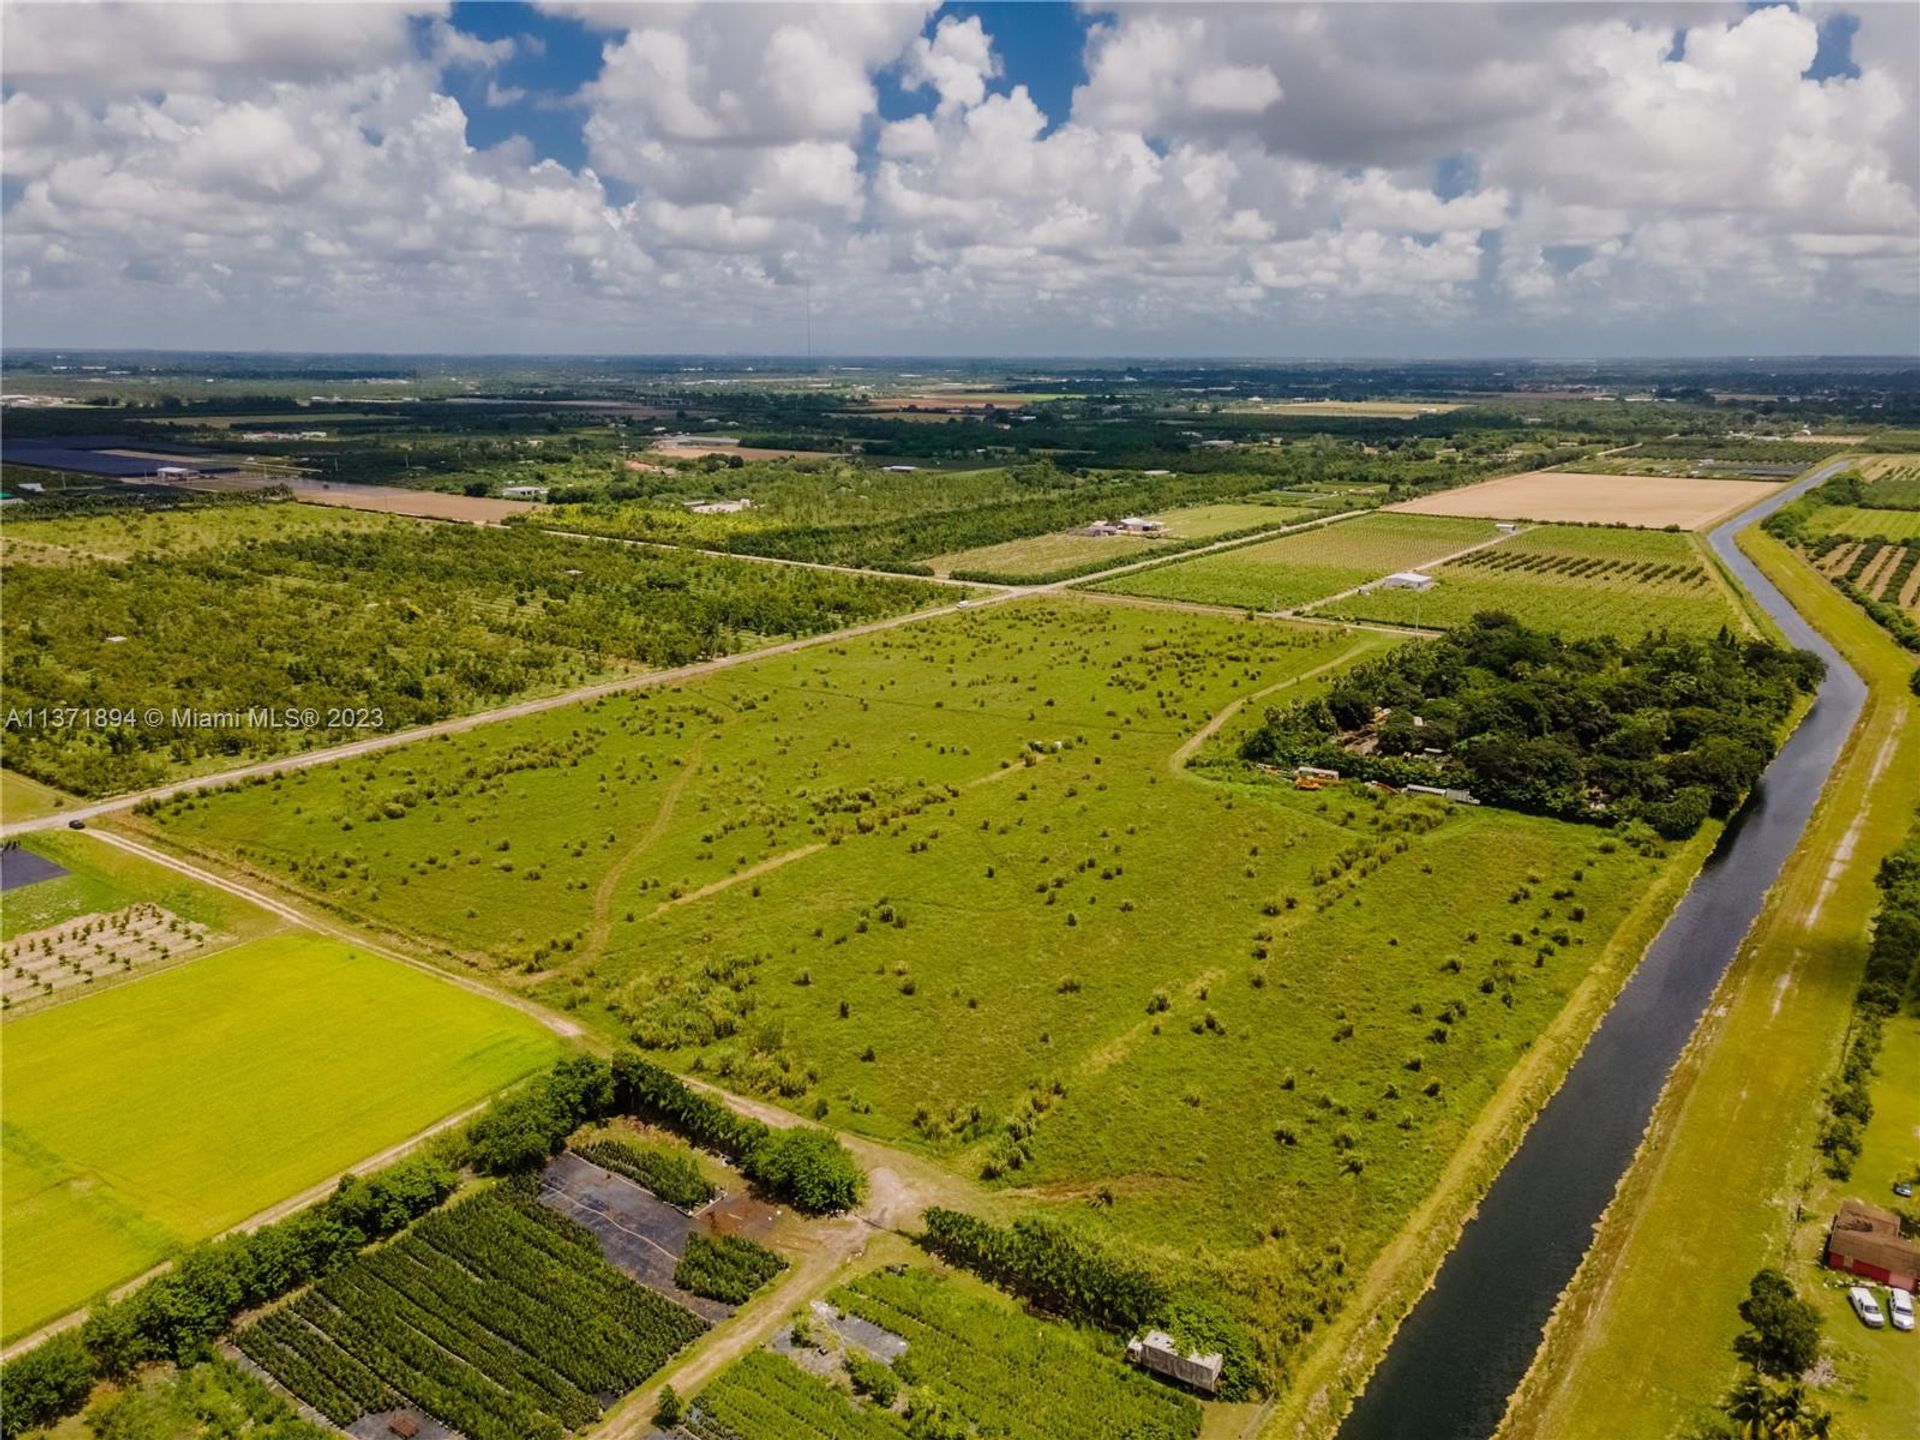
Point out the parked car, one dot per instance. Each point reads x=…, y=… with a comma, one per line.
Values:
x=76, y=824
x=1866, y=1307
x=1900, y=1309
x=1903, y=1188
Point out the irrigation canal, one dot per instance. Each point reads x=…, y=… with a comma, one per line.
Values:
x=1469, y=1340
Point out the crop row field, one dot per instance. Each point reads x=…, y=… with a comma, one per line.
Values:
x=1295, y=569
x=496, y=1316
x=969, y=1356
x=1572, y=579
x=369, y=626
x=147, y=1116
x=1048, y=557
x=1860, y=520
x=1881, y=570
x=1255, y=1022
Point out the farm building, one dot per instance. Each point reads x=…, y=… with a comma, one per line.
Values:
x=1138, y=525
x=523, y=492
x=721, y=507
x=175, y=472
x=1865, y=1240
x=901, y=469
x=1407, y=580
x=1156, y=1351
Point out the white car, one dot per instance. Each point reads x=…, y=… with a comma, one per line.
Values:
x=1866, y=1307
x=1900, y=1309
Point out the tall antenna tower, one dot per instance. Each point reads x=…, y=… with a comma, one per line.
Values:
x=807, y=282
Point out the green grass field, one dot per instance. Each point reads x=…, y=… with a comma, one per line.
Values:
x=24, y=799
x=1578, y=580
x=790, y=876
x=1295, y=569
x=1858, y=520
x=164, y=1111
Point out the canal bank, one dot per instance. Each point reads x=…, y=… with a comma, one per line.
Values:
x=1456, y=1359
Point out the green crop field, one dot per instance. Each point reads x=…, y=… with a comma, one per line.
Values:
x=1294, y=569
x=993, y=1368
x=1859, y=520
x=1241, y=1015
x=1041, y=555
x=1575, y=579
x=164, y=1111
x=123, y=534
x=1046, y=557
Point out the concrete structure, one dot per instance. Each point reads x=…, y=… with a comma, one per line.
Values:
x=1407, y=580
x=1865, y=1240
x=1156, y=1351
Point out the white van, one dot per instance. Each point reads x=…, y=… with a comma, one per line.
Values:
x=1900, y=1309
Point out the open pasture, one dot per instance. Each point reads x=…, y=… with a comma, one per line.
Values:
x=1576, y=580
x=1893, y=481
x=1246, y=1019
x=162, y=1112
x=1294, y=569
x=399, y=623
x=1653, y=501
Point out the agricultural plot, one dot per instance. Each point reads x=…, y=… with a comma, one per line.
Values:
x=1050, y=557
x=969, y=1355
x=1238, y=1014
x=1859, y=520
x=367, y=628
x=1893, y=481
x=1575, y=580
x=1294, y=569
x=215, y=1089
x=44, y=963
x=96, y=880
x=497, y=1317
x=1547, y=496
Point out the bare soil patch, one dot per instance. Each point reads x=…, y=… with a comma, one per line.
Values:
x=425, y=504
x=1652, y=501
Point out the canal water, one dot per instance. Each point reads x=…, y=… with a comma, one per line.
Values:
x=1469, y=1340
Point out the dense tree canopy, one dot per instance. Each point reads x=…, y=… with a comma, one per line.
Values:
x=1668, y=729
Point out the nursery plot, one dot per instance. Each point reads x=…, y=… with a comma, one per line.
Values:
x=1858, y=520
x=1570, y=579
x=1287, y=572
x=496, y=1316
x=41, y=963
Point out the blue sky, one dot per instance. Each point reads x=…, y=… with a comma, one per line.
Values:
x=1009, y=178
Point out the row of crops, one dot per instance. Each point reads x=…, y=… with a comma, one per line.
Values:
x=973, y=1366
x=496, y=1315
x=1597, y=569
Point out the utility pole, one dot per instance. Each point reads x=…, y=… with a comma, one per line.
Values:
x=807, y=283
